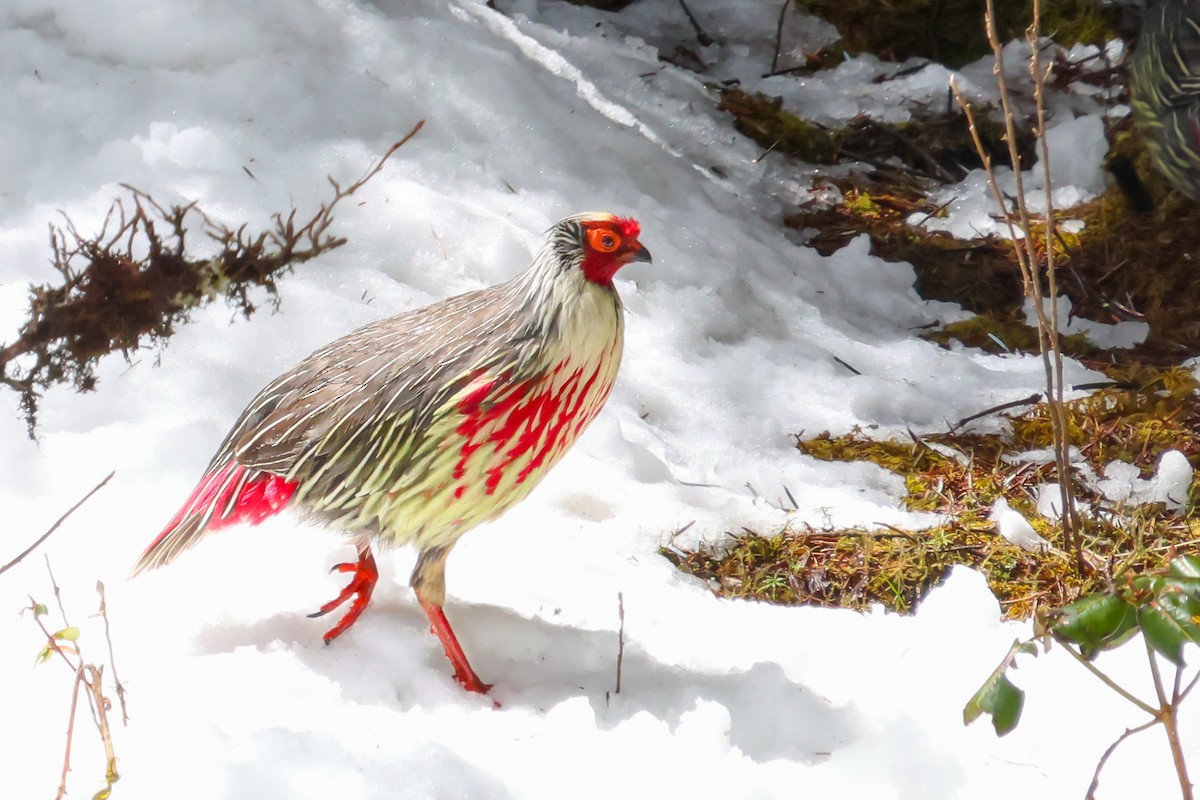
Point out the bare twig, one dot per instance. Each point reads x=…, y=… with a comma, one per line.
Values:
x=779, y=37
x=54, y=527
x=847, y=366
x=100, y=706
x=66, y=768
x=1091, y=792
x=57, y=592
x=1048, y=333
x=1191, y=685
x=1025, y=249
x=703, y=38
x=1024, y=401
x=620, y=637
x=112, y=659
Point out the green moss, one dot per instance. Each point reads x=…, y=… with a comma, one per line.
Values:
x=763, y=119
x=960, y=477
x=952, y=32
x=1070, y=22
x=1003, y=333
x=930, y=146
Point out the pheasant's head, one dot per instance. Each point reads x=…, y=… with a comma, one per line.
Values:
x=606, y=243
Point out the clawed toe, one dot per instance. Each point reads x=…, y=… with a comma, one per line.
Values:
x=360, y=587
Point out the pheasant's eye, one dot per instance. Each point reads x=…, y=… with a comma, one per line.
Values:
x=604, y=241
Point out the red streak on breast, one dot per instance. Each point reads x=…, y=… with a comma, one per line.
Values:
x=523, y=427
x=533, y=416
x=569, y=414
x=474, y=397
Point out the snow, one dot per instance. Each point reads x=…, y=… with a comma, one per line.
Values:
x=1122, y=483
x=1015, y=528
x=735, y=342
x=1127, y=333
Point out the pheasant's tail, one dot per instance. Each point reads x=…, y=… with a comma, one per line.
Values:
x=226, y=495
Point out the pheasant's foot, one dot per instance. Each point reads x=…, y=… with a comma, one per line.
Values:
x=366, y=574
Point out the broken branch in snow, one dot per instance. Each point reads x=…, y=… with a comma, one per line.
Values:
x=134, y=281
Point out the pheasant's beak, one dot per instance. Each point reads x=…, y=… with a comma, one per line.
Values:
x=637, y=253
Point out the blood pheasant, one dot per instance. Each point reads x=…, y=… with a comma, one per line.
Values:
x=419, y=427
x=1166, y=90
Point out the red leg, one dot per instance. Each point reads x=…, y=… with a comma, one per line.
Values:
x=462, y=669
x=359, y=587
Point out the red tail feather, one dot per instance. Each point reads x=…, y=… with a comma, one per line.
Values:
x=262, y=497
x=225, y=497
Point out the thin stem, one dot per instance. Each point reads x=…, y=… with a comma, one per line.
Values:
x=1109, y=682
x=112, y=659
x=54, y=527
x=1154, y=673
x=779, y=36
x=620, y=637
x=62, y=785
x=1167, y=716
x=96, y=688
x=703, y=38
x=1069, y=516
x=1191, y=685
x=1027, y=260
x=1095, y=784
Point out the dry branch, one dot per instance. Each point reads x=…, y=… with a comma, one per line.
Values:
x=130, y=284
x=54, y=527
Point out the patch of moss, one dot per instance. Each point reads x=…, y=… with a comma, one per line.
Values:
x=979, y=274
x=1119, y=265
x=931, y=146
x=1138, y=266
x=763, y=119
x=951, y=32
x=858, y=569
x=1005, y=332
x=960, y=477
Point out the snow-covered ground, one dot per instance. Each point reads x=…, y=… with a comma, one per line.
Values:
x=733, y=343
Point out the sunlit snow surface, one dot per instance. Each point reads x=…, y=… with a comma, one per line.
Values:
x=736, y=341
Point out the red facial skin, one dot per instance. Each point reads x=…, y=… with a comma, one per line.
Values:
x=610, y=245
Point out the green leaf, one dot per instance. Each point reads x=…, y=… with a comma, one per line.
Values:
x=1096, y=622
x=43, y=655
x=998, y=696
x=1184, y=609
x=1166, y=634
x=1184, y=567
x=1189, y=586
x=40, y=610
x=70, y=633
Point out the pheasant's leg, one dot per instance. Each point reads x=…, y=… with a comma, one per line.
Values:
x=359, y=587
x=462, y=668
x=429, y=582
